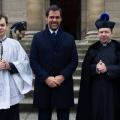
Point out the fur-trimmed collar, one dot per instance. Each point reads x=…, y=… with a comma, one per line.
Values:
x=98, y=44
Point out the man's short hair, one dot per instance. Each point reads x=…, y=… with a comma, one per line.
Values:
x=53, y=8
x=5, y=17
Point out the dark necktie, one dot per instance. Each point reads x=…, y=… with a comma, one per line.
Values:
x=1, y=50
x=54, y=38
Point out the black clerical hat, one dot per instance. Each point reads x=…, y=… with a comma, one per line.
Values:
x=103, y=22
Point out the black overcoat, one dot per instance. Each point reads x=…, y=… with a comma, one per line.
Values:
x=105, y=85
x=50, y=59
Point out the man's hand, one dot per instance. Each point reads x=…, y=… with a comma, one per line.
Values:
x=59, y=79
x=54, y=81
x=101, y=67
x=4, y=65
x=50, y=81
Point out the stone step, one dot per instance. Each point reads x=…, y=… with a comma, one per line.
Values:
x=81, y=50
x=91, y=41
x=83, y=46
x=34, y=115
x=76, y=80
x=76, y=91
x=77, y=72
x=26, y=105
x=25, y=45
x=81, y=56
x=80, y=61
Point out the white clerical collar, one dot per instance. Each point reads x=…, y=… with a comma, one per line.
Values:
x=3, y=38
x=105, y=44
x=51, y=31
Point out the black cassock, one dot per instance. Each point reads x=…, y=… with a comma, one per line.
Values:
x=99, y=97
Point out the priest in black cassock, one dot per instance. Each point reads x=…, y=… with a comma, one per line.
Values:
x=99, y=96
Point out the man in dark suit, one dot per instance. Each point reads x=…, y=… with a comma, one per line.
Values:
x=53, y=58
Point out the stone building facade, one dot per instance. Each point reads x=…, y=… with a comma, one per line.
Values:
x=78, y=15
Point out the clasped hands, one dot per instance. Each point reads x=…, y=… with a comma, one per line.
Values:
x=4, y=65
x=101, y=67
x=54, y=81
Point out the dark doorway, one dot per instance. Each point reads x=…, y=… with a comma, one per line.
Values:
x=71, y=16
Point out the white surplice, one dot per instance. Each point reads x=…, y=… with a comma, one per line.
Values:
x=14, y=86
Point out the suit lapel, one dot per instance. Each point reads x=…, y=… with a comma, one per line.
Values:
x=49, y=41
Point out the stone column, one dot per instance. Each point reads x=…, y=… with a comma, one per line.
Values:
x=46, y=4
x=94, y=8
x=0, y=6
x=36, y=14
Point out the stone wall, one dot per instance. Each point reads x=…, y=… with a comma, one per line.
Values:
x=95, y=8
x=83, y=18
x=113, y=7
x=36, y=14
x=14, y=9
x=18, y=10
x=0, y=6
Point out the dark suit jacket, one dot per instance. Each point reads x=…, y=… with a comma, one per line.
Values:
x=51, y=59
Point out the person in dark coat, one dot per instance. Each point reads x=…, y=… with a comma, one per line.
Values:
x=99, y=96
x=53, y=58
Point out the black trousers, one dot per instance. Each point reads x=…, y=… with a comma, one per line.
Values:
x=46, y=114
x=10, y=114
